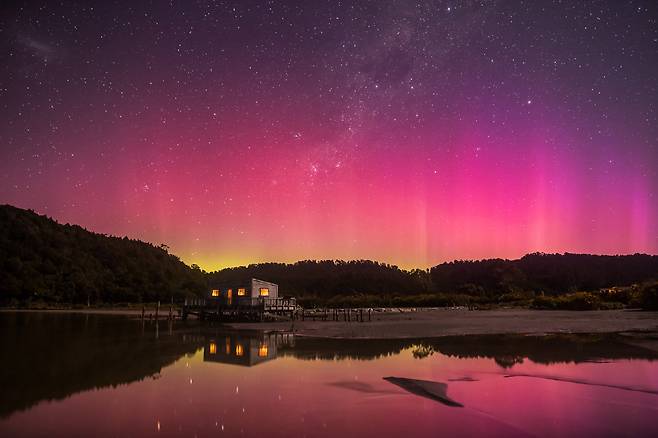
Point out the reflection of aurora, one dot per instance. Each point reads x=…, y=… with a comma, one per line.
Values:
x=58, y=355
x=506, y=350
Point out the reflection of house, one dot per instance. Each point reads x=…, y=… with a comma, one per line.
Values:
x=240, y=349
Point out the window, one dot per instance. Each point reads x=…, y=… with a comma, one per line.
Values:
x=242, y=292
x=239, y=350
x=264, y=292
x=262, y=351
x=229, y=296
x=215, y=292
x=212, y=348
x=228, y=345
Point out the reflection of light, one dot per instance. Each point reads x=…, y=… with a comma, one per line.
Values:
x=262, y=351
x=215, y=292
x=213, y=348
x=158, y=425
x=228, y=345
x=239, y=351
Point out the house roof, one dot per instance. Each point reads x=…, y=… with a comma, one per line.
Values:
x=241, y=282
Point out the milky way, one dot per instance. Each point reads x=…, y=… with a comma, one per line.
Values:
x=407, y=132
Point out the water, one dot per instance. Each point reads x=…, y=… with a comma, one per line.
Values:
x=84, y=375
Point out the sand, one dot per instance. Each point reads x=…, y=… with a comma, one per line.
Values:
x=443, y=322
x=448, y=322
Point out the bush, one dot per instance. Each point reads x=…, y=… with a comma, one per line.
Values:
x=624, y=295
x=575, y=301
x=648, y=296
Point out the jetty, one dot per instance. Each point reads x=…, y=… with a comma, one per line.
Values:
x=251, y=300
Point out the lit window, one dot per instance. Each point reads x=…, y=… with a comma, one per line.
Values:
x=239, y=350
x=213, y=348
x=215, y=292
x=229, y=296
x=262, y=351
x=264, y=292
x=242, y=292
x=228, y=345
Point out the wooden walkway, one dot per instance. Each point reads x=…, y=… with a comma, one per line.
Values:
x=331, y=314
x=260, y=309
x=244, y=309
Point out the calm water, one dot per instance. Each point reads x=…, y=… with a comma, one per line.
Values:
x=83, y=375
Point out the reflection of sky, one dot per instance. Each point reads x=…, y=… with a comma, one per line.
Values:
x=292, y=397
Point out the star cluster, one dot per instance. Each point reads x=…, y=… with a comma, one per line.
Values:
x=411, y=132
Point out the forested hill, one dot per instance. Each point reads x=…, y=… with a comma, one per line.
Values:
x=44, y=261
x=550, y=274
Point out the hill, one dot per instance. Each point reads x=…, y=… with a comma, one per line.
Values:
x=364, y=282
x=44, y=261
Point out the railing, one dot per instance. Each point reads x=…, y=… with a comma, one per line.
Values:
x=266, y=303
x=195, y=302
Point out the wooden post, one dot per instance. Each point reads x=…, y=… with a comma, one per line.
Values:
x=361, y=314
x=369, y=312
x=157, y=310
x=143, y=310
x=171, y=312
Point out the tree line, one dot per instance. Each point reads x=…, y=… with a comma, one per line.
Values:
x=44, y=261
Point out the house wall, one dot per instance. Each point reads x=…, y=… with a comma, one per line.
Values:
x=257, y=284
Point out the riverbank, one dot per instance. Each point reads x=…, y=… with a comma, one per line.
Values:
x=451, y=322
x=429, y=323
x=131, y=311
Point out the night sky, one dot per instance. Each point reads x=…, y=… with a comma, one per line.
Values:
x=410, y=132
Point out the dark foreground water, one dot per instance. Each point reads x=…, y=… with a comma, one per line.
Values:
x=85, y=375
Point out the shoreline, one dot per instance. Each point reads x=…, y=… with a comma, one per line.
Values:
x=430, y=323
x=440, y=323
x=90, y=311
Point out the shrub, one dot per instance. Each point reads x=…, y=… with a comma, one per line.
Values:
x=575, y=301
x=648, y=296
